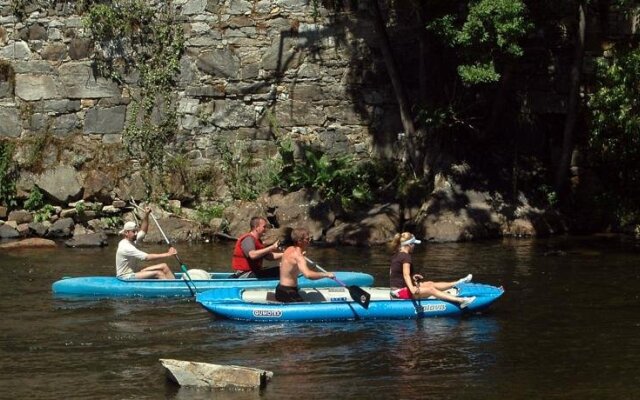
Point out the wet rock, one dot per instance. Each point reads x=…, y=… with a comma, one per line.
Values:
x=61, y=228
x=20, y=216
x=87, y=240
x=29, y=243
x=215, y=376
x=8, y=232
x=23, y=229
x=39, y=228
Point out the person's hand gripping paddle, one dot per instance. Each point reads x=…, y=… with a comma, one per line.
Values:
x=358, y=294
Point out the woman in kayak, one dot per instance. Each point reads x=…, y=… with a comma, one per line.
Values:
x=406, y=284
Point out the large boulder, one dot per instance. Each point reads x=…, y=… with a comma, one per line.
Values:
x=20, y=216
x=87, y=240
x=60, y=184
x=373, y=228
x=453, y=214
x=239, y=214
x=63, y=227
x=176, y=229
x=303, y=208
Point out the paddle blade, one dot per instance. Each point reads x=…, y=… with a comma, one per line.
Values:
x=359, y=295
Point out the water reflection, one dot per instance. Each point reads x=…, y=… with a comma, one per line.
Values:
x=565, y=328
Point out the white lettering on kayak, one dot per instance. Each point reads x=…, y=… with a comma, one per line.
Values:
x=434, y=307
x=267, y=313
x=338, y=299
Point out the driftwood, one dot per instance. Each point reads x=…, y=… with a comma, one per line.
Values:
x=215, y=376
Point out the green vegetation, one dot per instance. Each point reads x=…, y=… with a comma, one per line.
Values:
x=8, y=174
x=338, y=179
x=206, y=212
x=246, y=177
x=111, y=222
x=37, y=146
x=35, y=200
x=489, y=31
x=614, y=141
x=164, y=203
x=35, y=203
x=130, y=36
x=80, y=207
x=44, y=213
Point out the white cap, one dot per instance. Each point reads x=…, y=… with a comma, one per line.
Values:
x=128, y=226
x=413, y=240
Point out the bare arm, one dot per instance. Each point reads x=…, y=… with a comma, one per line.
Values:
x=309, y=273
x=144, y=224
x=155, y=256
x=408, y=279
x=267, y=251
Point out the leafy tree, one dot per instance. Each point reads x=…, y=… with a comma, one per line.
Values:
x=468, y=43
x=614, y=139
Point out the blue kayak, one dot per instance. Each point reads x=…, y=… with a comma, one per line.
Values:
x=335, y=304
x=112, y=287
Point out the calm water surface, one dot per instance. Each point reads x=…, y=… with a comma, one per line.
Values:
x=567, y=327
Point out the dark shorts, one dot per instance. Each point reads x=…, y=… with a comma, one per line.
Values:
x=288, y=294
x=273, y=272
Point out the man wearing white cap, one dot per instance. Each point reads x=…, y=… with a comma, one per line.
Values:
x=128, y=257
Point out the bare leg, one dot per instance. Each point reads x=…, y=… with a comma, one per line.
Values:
x=449, y=285
x=158, y=271
x=429, y=289
x=443, y=285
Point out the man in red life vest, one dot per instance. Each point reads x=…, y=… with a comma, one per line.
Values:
x=250, y=251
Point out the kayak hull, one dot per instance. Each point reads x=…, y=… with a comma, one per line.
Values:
x=113, y=287
x=335, y=304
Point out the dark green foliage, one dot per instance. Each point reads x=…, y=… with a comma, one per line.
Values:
x=335, y=178
x=614, y=140
x=8, y=174
x=487, y=32
x=35, y=201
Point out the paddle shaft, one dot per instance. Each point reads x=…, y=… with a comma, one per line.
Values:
x=325, y=271
x=358, y=294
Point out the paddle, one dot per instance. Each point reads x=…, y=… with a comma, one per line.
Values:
x=166, y=239
x=358, y=294
x=418, y=305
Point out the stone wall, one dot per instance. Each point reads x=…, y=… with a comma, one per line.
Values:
x=247, y=65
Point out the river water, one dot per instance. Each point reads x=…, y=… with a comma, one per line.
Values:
x=567, y=327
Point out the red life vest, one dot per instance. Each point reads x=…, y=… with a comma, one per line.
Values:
x=241, y=263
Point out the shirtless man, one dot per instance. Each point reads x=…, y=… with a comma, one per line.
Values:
x=293, y=263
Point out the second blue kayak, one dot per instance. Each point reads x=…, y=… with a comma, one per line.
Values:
x=112, y=287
